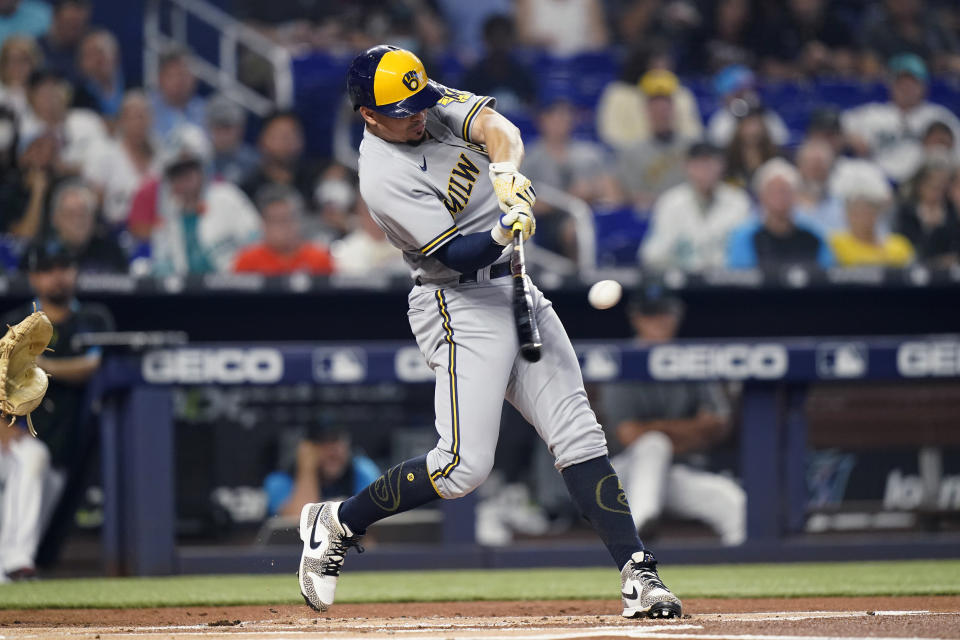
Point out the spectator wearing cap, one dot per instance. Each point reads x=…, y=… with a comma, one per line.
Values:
x=62, y=419
x=691, y=221
x=867, y=195
x=77, y=131
x=281, y=147
x=325, y=466
x=192, y=225
x=74, y=225
x=648, y=168
x=778, y=238
x=825, y=126
x=283, y=249
x=19, y=58
x=736, y=85
x=622, y=118
x=100, y=77
x=119, y=165
x=24, y=17
x=233, y=158
x=61, y=43
x=889, y=133
x=910, y=26
x=928, y=216
x=660, y=431
x=175, y=101
x=500, y=73
x=816, y=199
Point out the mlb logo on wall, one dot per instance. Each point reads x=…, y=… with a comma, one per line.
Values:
x=409, y=366
x=599, y=363
x=842, y=360
x=339, y=365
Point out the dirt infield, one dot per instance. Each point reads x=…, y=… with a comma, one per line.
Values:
x=756, y=619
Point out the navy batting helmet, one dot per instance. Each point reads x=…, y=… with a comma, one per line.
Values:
x=391, y=81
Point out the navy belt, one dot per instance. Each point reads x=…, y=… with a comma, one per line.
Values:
x=499, y=270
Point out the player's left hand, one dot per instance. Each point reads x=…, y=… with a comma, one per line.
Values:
x=502, y=232
x=511, y=186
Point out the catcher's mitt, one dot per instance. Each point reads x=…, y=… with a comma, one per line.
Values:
x=22, y=382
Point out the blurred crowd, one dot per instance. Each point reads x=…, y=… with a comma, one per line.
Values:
x=169, y=180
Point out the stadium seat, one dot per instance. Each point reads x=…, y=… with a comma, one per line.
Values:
x=619, y=233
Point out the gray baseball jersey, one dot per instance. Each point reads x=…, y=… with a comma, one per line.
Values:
x=424, y=195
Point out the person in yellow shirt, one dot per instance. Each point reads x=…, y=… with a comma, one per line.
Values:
x=866, y=195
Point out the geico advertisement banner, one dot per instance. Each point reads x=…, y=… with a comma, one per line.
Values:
x=795, y=360
x=218, y=366
x=929, y=359
x=728, y=362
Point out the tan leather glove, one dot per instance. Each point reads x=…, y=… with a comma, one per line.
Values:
x=22, y=382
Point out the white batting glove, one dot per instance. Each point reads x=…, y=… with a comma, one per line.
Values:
x=511, y=186
x=502, y=232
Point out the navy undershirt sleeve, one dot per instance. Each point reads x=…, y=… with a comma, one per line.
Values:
x=470, y=252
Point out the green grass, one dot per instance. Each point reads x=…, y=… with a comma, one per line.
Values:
x=939, y=577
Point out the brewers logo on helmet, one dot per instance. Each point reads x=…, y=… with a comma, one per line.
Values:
x=391, y=81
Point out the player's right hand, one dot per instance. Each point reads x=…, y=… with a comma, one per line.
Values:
x=502, y=232
x=511, y=186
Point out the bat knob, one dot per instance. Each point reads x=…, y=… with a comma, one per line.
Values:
x=530, y=352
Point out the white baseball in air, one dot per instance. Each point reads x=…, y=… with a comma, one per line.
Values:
x=604, y=294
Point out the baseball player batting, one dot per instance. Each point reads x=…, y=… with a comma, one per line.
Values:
x=424, y=149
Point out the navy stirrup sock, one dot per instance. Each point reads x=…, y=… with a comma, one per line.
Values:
x=596, y=490
x=403, y=487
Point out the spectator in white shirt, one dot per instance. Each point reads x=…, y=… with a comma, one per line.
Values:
x=365, y=250
x=891, y=132
x=119, y=166
x=691, y=221
x=192, y=225
x=736, y=86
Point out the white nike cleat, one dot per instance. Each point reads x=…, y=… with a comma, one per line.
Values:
x=325, y=543
x=644, y=594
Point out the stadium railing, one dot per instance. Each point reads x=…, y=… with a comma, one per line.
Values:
x=168, y=22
